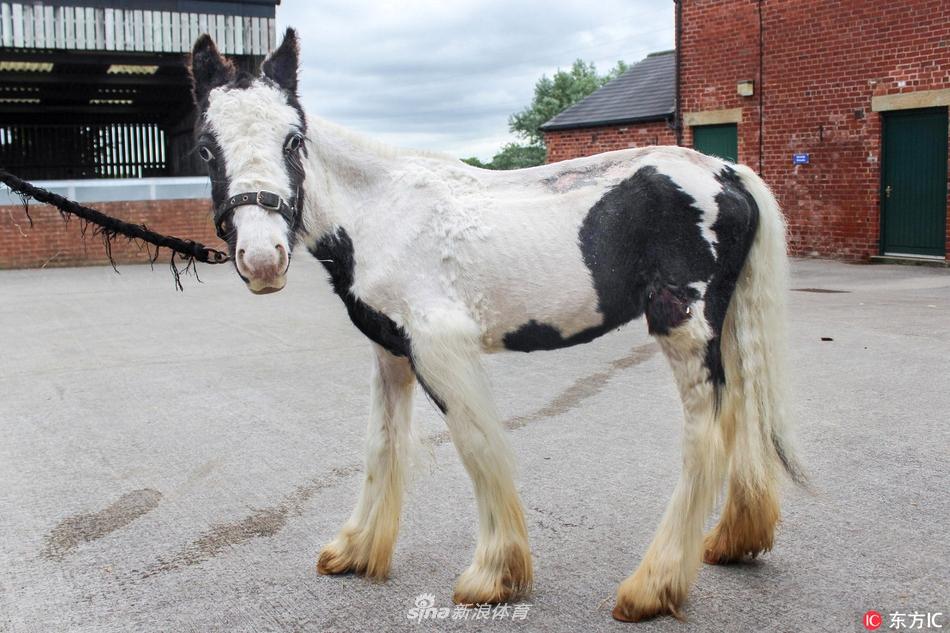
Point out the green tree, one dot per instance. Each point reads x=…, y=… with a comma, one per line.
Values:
x=516, y=156
x=551, y=96
x=475, y=162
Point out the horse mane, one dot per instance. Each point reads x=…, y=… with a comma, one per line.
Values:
x=369, y=144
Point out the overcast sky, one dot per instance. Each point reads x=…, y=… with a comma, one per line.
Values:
x=446, y=74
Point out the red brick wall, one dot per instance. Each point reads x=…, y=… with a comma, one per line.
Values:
x=565, y=144
x=719, y=48
x=824, y=61
x=53, y=242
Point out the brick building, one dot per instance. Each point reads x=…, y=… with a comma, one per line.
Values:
x=634, y=110
x=841, y=105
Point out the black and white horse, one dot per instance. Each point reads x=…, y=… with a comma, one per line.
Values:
x=437, y=262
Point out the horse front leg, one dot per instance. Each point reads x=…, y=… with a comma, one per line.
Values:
x=365, y=543
x=446, y=351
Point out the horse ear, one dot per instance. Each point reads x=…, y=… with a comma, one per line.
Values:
x=209, y=69
x=281, y=65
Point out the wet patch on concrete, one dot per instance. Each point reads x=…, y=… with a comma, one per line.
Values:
x=586, y=387
x=82, y=528
x=573, y=396
x=821, y=290
x=263, y=522
x=267, y=522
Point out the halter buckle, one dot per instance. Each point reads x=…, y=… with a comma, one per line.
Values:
x=268, y=200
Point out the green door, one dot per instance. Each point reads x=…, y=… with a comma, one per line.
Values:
x=717, y=140
x=914, y=182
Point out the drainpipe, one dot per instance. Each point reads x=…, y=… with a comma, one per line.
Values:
x=677, y=107
x=761, y=90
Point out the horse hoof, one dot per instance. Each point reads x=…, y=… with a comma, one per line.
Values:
x=350, y=553
x=641, y=598
x=474, y=588
x=630, y=611
x=625, y=614
x=738, y=541
x=335, y=561
x=484, y=584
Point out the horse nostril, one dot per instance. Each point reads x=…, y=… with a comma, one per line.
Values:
x=240, y=256
x=281, y=256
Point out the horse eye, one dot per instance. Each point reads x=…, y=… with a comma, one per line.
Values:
x=206, y=154
x=293, y=143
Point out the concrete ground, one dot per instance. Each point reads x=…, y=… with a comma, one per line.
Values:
x=173, y=461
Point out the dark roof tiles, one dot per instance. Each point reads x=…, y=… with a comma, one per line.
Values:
x=647, y=91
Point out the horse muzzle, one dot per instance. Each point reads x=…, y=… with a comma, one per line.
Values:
x=263, y=268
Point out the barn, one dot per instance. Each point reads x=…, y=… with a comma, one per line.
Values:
x=95, y=104
x=841, y=106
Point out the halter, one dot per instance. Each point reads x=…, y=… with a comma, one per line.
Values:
x=264, y=199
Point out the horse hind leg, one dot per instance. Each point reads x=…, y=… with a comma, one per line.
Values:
x=661, y=582
x=749, y=518
x=750, y=513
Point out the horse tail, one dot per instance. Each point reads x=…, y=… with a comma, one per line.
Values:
x=756, y=329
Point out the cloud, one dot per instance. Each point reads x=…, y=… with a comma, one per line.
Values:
x=446, y=75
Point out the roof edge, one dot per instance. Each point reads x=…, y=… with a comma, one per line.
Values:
x=548, y=127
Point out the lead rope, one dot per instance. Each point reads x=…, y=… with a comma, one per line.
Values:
x=108, y=228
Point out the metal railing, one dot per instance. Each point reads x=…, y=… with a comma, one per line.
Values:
x=100, y=150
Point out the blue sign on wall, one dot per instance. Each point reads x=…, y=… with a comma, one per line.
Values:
x=799, y=159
